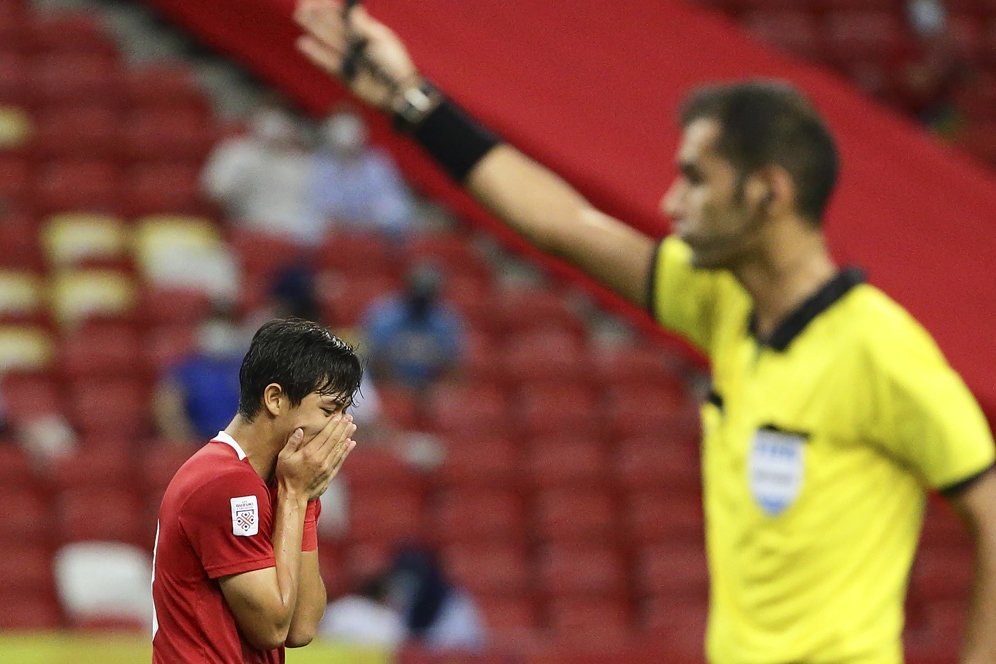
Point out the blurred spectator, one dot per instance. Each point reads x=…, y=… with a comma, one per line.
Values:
x=412, y=337
x=263, y=178
x=937, y=70
x=196, y=398
x=356, y=185
x=436, y=613
x=364, y=617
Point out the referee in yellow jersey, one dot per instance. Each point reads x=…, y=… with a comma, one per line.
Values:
x=832, y=410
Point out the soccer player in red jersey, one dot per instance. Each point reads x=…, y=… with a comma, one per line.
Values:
x=236, y=575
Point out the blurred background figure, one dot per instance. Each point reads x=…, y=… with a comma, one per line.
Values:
x=436, y=613
x=413, y=338
x=364, y=617
x=262, y=178
x=357, y=186
x=195, y=399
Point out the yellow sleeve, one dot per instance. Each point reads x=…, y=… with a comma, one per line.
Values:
x=924, y=414
x=683, y=299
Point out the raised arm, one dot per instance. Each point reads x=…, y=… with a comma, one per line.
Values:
x=977, y=506
x=531, y=199
x=264, y=601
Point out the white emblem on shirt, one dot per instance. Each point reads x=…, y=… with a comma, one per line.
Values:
x=245, y=516
x=776, y=469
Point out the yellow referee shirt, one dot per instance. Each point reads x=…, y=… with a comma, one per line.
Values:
x=817, y=447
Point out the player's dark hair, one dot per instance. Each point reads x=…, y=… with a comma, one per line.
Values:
x=300, y=356
x=770, y=122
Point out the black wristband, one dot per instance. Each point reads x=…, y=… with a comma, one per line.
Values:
x=454, y=139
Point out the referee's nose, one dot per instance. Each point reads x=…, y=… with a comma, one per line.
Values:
x=672, y=202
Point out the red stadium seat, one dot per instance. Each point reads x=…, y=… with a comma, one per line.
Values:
x=543, y=355
x=164, y=87
x=87, y=131
x=25, y=516
x=566, y=460
x=480, y=362
x=26, y=569
x=510, y=617
x=16, y=467
x=640, y=410
x=101, y=350
x=100, y=463
x=345, y=298
x=167, y=134
x=575, y=515
x=129, y=416
x=675, y=570
x=164, y=188
x=632, y=366
x=553, y=407
x=384, y=515
x=657, y=461
x=480, y=461
x=663, y=516
x=15, y=79
x=87, y=185
x=261, y=256
x=70, y=33
x=794, y=30
x=522, y=309
x=488, y=568
x=98, y=513
x=16, y=175
x=29, y=612
x=478, y=515
x=600, y=621
x=468, y=409
x=160, y=462
x=452, y=253
x=863, y=34
x=356, y=253
x=581, y=570
x=73, y=78
x=381, y=469
x=31, y=394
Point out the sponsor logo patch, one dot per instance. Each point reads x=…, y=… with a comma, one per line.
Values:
x=245, y=516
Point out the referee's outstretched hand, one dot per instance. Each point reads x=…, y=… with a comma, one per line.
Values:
x=335, y=40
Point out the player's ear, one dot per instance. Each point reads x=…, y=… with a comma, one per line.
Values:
x=274, y=399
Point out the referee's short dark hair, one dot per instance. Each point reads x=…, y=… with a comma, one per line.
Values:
x=770, y=122
x=300, y=356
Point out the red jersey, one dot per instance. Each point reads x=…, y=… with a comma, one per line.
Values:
x=216, y=519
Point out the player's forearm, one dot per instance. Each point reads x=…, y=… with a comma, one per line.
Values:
x=288, y=528
x=311, y=600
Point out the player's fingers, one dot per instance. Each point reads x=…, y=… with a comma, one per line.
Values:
x=341, y=459
x=325, y=57
x=295, y=439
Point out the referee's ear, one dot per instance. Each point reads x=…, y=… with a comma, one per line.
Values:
x=773, y=191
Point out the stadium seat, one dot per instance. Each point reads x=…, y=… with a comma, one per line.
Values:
x=18, y=235
x=31, y=394
x=107, y=462
x=581, y=569
x=87, y=131
x=862, y=34
x=101, y=351
x=477, y=515
x=381, y=469
x=554, y=407
x=181, y=251
x=565, y=460
x=73, y=78
x=16, y=129
x=85, y=240
x=645, y=365
x=163, y=86
x=26, y=569
x=676, y=570
x=576, y=515
x=261, y=255
x=468, y=409
x=657, y=460
x=488, y=568
x=15, y=79
x=84, y=294
x=22, y=298
x=345, y=298
x=159, y=462
x=108, y=514
x=164, y=187
x=172, y=307
x=88, y=410
x=70, y=33
x=639, y=410
x=511, y=618
x=794, y=30
x=26, y=516
x=451, y=252
x=384, y=515
x=601, y=622
x=519, y=310
x=16, y=468
x=29, y=612
x=480, y=362
x=358, y=253
x=25, y=348
x=543, y=355
x=169, y=134
x=480, y=461
x=86, y=185
x=105, y=584
x=661, y=515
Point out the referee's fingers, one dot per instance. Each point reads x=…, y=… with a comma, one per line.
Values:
x=324, y=56
x=323, y=20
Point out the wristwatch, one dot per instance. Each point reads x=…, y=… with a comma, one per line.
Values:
x=411, y=106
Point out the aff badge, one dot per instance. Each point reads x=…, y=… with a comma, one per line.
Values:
x=245, y=516
x=776, y=467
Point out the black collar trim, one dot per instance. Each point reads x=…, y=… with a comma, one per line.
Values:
x=815, y=304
